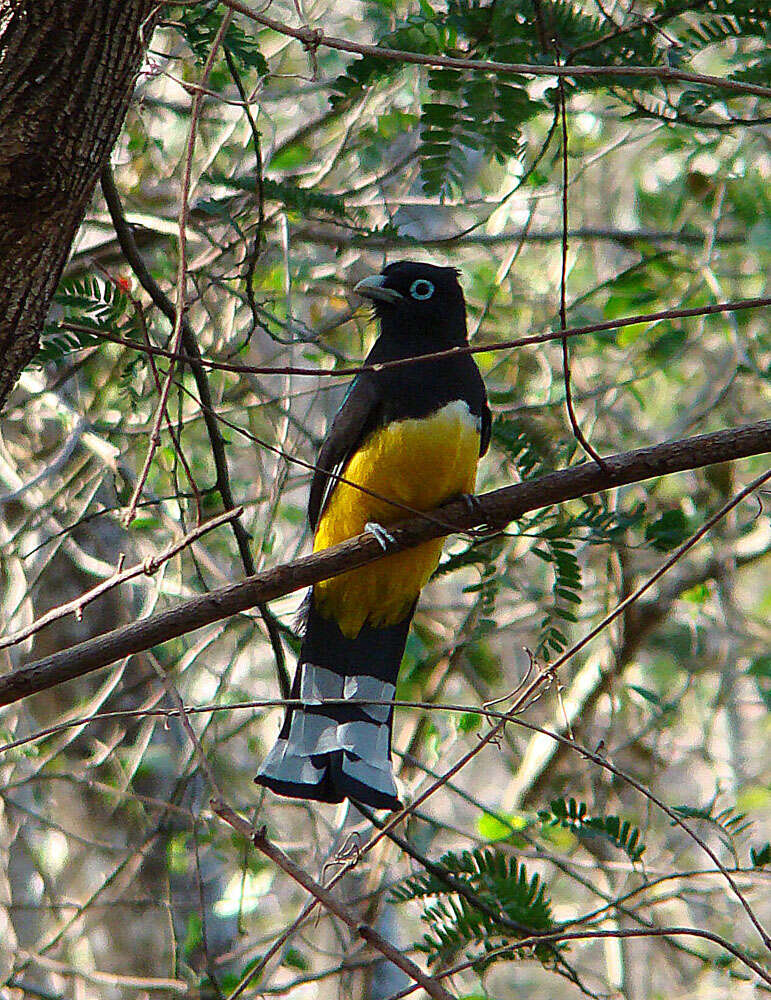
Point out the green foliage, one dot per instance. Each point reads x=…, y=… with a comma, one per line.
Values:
x=729, y=824
x=533, y=456
x=598, y=525
x=488, y=112
x=199, y=26
x=557, y=550
x=462, y=112
x=499, y=880
x=304, y=201
x=56, y=343
x=671, y=529
x=91, y=303
x=528, y=450
x=481, y=554
x=723, y=21
x=574, y=816
x=481, y=112
x=761, y=857
x=760, y=671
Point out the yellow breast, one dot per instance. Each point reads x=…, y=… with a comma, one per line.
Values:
x=418, y=463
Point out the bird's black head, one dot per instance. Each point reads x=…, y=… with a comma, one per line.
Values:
x=413, y=299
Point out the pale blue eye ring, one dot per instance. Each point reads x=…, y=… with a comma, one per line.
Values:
x=421, y=289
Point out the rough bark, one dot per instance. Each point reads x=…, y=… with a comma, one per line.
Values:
x=67, y=73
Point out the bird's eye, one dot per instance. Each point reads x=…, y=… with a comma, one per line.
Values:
x=421, y=289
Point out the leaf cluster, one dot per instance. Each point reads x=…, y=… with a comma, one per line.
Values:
x=464, y=112
x=89, y=302
x=199, y=26
x=499, y=880
x=574, y=816
x=729, y=824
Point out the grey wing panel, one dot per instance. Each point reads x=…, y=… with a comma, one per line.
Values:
x=354, y=419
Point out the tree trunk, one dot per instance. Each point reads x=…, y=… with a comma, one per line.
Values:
x=67, y=72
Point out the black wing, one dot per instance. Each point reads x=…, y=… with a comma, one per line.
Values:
x=355, y=418
x=484, y=437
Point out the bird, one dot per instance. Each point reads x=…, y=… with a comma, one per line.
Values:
x=410, y=436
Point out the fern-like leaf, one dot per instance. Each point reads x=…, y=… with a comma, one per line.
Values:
x=499, y=880
x=730, y=825
x=574, y=816
x=89, y=303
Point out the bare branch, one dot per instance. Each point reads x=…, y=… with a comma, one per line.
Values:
x=369, y=934
x=184, y=209
x=148, y=567
x=500, y=345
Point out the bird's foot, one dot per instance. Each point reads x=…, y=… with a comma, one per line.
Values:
x=476, y=508
x=384, y=538
x=473, y=503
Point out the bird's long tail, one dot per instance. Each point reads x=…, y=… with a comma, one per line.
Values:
x=329, y=752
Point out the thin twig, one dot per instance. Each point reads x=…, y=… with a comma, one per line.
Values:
x=369, y=934
x=450, y=352
x=165, y=678
x=192, y=357
x=599, y=935
x=252, y=256
x=579, y=435
x=176, y=438
x=184, y=208
x=148, y=567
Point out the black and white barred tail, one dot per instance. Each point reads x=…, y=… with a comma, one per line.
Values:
x=337, y=744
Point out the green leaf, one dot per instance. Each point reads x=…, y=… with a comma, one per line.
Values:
x=178, y=856
x=696, y=595
x=669, y=531
x=762, y=857
x=193, y=933
x=469, y=722
x=647, y=694
x=454, y=923
x=492, y=827
x=199, y=27
x=295, y=959
x=729, y=824
x=574, y=816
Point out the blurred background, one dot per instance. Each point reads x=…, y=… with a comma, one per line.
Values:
x=313, y=167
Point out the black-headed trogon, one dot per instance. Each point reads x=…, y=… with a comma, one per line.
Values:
x=413, y=434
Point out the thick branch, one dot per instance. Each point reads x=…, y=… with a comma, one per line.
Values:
x=495, y=508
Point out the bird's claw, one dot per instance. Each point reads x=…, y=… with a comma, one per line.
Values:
x=476, y=508
x=384, y=538
x=473, y=504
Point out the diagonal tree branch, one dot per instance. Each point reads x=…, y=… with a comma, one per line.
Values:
x=496, y=508
x=330, y=902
